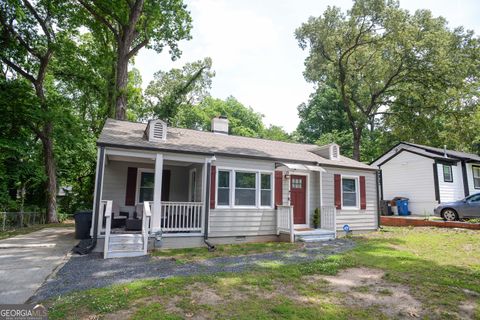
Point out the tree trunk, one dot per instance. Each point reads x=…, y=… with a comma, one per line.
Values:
x=50, y=171
x=121, y=81
x=357, y=138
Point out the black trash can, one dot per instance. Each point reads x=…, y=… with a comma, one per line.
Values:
x=83, y=222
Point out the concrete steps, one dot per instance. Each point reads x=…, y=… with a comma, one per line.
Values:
x=125, y=245
x=314, y=235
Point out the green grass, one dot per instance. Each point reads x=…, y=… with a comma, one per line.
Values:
x=192, y=254
x=15, y=232
x=440, y=267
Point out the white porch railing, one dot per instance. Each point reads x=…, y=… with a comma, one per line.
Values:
x=285, y=221
x=106, y=209
x=328, y=218
x=146, y=217
x=182, y=216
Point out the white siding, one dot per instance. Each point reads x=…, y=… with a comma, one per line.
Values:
x=471, y=186
x=242, y=222
x=244, y=163
x=410, y=175
x=451, y=191
x=357, y=219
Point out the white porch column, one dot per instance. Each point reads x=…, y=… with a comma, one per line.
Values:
x=157, y=193
x=97, y=195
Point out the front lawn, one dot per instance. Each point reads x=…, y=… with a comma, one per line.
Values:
x=396, y=273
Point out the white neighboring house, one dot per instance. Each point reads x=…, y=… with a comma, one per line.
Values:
x=427, y=175
x=158, y=186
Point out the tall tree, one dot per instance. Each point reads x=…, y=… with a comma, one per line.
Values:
x=30, y=34
x=322, y=114
x=136, y=24
x=375, y=51
x=177, y=88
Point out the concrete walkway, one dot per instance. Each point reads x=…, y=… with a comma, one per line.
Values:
x=27, y=260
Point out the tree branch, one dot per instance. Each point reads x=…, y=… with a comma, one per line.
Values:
x=139, y=46
x=99, y=17
x=18, y=69
x=42, y=22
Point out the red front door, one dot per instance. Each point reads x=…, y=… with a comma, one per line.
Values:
x=298, y=198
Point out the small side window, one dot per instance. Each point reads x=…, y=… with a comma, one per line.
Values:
x=476, y=177
x=447, y=173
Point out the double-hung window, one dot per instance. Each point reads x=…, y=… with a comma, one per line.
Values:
x=349, y=192
x=476, y=177
x=447, y=173
x=146, y=186
x=223, y=192
x=265, y=189
x=245, y=188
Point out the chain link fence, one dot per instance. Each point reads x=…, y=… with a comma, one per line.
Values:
x=17, y=220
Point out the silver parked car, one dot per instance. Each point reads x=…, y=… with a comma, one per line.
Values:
x=465, y=208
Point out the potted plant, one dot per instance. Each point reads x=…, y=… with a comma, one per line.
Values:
x=316, y=218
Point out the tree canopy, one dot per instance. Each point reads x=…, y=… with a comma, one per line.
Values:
x=382, y=60
x=381, y=74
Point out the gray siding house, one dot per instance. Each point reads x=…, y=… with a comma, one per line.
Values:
x=163, y=187
x=427, y=175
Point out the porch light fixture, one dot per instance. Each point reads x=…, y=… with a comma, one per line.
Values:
x=287, y=175
x=213, y=158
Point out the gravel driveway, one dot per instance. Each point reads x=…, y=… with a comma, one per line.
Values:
x=92, y=271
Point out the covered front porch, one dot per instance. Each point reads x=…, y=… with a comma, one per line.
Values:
x=174, y=186
x=148, y=195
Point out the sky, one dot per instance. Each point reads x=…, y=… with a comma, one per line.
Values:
x=254, y=52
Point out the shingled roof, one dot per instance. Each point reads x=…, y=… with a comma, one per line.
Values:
x=426, y=151
x=125, y=134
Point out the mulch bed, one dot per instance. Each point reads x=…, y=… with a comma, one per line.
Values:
x=404, y=222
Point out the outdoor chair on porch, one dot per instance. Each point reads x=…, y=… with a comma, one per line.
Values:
x=135, y=223
x=118, y=217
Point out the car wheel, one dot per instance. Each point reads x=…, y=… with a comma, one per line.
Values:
x=449, y=215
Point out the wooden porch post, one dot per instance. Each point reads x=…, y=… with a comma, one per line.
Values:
x=157, y=194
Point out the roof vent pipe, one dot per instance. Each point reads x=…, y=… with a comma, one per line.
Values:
x=445, y=151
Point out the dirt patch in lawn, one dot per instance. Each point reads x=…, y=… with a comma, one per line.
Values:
x=366, y=287
x=203, y=294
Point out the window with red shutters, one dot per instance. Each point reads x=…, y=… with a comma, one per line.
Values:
x=278, y=188
x=338, y=191
x=213, y=181
x=363, y=195
x=131, y=186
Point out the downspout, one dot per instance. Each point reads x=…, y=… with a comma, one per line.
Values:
x=435, y=179
x=210, y=246
x=378, y=184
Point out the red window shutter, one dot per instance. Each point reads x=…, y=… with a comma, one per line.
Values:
x=338, y=191
x=131, y=186
x=278, y=188
x=213, y=181
x=363, y=195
